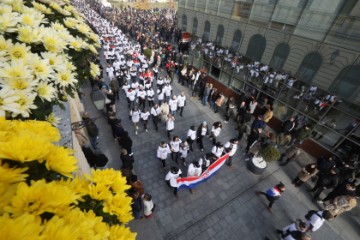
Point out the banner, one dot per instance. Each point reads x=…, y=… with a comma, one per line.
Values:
x=192, y=182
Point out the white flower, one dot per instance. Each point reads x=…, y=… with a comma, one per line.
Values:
x=26, y=103
x=8, y=102
x=53, y=120
x=45, y=91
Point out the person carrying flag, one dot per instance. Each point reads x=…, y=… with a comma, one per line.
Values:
x=273, y=194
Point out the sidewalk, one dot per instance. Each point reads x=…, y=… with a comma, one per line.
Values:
x=224, y=207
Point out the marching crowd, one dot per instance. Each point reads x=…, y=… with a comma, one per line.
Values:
x=138, y=52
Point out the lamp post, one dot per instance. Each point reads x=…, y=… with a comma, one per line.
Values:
x=99, y=99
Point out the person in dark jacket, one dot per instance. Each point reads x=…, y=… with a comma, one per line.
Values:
x=326, y=181
x=252, y=139
x=258, y=123
x=324, y=165
x=344, y=188
x=288, y=125
x=112, y=121
x=126, y=142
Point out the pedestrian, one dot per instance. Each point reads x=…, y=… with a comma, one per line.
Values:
x=181, y=102
x=293, y=231
x=215, y=131
x=301, y=134
x=149, y=206
x=150, y=96
x=137, y=185
x=92, y=129
x=206, y=93
x=135, y=118
x=219, y=102
x=345, y=188
x=341, y=204
x=173, y=104
x=273, y=194
x=184, y=149
x=268, y=114
x=127, y=163
x=218, y=149
x=114, y=85
x=288, y=126
x=291, y=153
x=315, y=219
x=112, y=120
x=160, y=95
x=165, y=110
x=162, y=153
x=168, y=91
x=141, y=96
x=252, y=139
x=156, y=115
x=325, y=181
x=136, y=205
x=202, y=131
x=231, y=147
x=171, y=177
x=230, y=109
x=170, y=125
x=175, y=148
x=305, y=174
x=191, y=136
x=131, y=96
x=194, y=170
x=126, y=142
x=144, y=117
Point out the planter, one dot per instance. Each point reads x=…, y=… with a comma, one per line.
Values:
x=257, y=165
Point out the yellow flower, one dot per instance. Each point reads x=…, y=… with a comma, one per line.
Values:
x=57, y=26
x=26, y=102
x=42, y=8
x=17, y=76
x=70, y=66
x=57, y=229
x=76, y=44
x=92, y=49
x=94, y=69
x=40, y=129
x=53, y=59
x=12, y=175
x=53, y=120
x=5, y=9
x=8, y=102
x=78, y=185
x=84, y=29
x=121, y=232
x=61, y=161
x=70, y=22
x=41, y=69
x=94, y=37
x=8, y=22
x=18, y=51
x=65, y=78
x=25, y=226
x=7, y=191
x=99, y=191
x=52, y=42
x=46, y=92
x=4, y=43
x=24, y=147
x=28, y=34
x=17, y=5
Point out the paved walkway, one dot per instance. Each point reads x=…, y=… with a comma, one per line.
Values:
x=224, y=207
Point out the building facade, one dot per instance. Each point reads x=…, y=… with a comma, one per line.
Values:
x=315, y=41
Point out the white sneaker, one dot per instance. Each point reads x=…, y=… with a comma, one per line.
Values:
x=225, y=121
x=146, y=130
x=137, y=127
x=135, y=132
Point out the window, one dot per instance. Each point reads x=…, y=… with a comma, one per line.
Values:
x=236, y=41
x=206, y=34
x=195, y=26
x=280, y=55
x=346, y=83
x=256, y=47
x=309, y=67
x=183, y=22
x=219, y=35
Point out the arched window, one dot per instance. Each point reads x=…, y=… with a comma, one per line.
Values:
x=256, y=47
x=206, y=34
x=309, y=67
x=347, y=82
x=195, y=26
x=219, y=35
x=183, y=23
x=236, y=41
x=279, y=56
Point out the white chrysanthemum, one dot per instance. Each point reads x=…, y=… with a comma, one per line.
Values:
x=77, y=44
x=8, y=22
x=70, y=22
x=17, y=5
x=26, y=103
x=53, y=119
x=69, y=66
x=52, y=42
x=65, y=35
x=5, y=43
x=83, y=28
x=19, y=51
x=42, y=8
x=45, y=91
x=29, y=34
x=57, y=26
x=38, y=16
x=54, y=60
x=65, y=78
x=41, y=68
x=8, y=102
x=4, y=8
x=17, y=76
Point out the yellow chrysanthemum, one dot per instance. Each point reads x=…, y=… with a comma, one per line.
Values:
x=92, y=49
x=40, y=129
x=8, y=22
x=17, y=5
x=28, y=34
x=57, y=229
x=94, y=69
x=12, y=175
x=7, y=191
x=42, y=8
x=121, y=232
x=65, y=78
x=53, y=119
x=94, y=37
x=41, y=68
x=70, y=22
x=79, y=185
x=18, y=51
x=76, y=44
x=100, y=191
x=8, y=102
x=57, y=26
x=84, y=29
x=70, y=66
x=46, y=92
x=17, y=76
x=52, y=42
x=61, y=161
x=25, y=147
x=119, y=205
x=23, y=227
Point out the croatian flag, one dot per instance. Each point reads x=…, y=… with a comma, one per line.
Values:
x=192, y=182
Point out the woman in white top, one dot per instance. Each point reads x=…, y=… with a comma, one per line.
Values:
x=171, y=177
x=181, y=102
x=252, y=106
x=175, y=148
x=173, y=105
x=215, y=131
x=191, y=136
x=184, y=149
x=163, y=152
x=194, y=169
x=144, y=117
x=135, y=118
x=150, y=96
x=231, y=147
x=160, y=95
x=170, y=125
x=149, y=206
x=218, y=150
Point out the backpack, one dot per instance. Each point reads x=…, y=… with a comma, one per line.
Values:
x=310, y=213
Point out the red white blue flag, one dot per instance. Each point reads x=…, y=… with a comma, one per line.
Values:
x=192, y=182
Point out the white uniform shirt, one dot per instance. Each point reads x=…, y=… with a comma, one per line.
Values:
x=172, y=178
x=162, y=152
x=170, y=124
x=315, y=221
x=145, y=115
x=217, y=151
x=233, y=148
x=155, y=112
x=175, y=145
x=184, y=151
x=181, y=100
x=193, y=170
x=141, y=94
x=131, y=95
x=135, y=116
x=216, y=131
x=168, y=90
x=191, y=134
x=150, y=94
x=173, y=104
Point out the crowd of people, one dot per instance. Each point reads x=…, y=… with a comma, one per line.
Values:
x=142, y=63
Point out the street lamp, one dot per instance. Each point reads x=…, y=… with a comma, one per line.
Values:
x=99, y=99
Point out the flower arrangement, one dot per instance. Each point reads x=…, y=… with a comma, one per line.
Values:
x=42, y=199
x=45, y=52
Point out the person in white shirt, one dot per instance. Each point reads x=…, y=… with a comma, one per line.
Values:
x=150, y=96
x=252, y=106
x=171, y=177
x=168, y=90
x=295, y=229
x=191, y=136
x=144, y=117
x=156, y=115
x=135, y=118
x=162, y=152
x=317, y=219
x=215, y=131
x=218, y=150
x=141, y=95
x=173, y=105
x=170, y=125
x=148, y=205
x=231, y=147
x=181, y=102
x=160, y=95
x=175, y=148
x=201, y=132
x=194, y=169
x=160, y=83
x=184, y=149
x=131, y=95
x=110, y=72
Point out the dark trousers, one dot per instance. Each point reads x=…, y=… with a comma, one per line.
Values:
x=175, y=188
x=190, y=142
x=181, y=111
x=175, y=156
x=269, y=198
x=200, y=142
x=155, y=121
x=229, y=161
